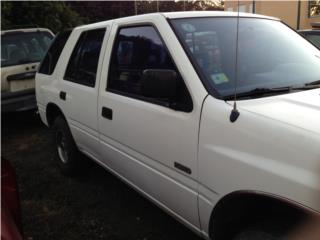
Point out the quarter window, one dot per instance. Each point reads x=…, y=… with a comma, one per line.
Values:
x=51, y=58
x=135, y=50
x=83, y=63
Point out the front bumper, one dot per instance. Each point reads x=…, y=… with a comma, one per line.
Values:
x=18, y=101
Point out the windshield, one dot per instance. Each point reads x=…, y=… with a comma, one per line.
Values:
x=24, y=47
x=270, y=54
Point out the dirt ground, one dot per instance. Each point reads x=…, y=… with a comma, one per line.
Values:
x=94, y=206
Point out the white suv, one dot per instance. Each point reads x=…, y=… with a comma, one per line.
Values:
x=150, y=98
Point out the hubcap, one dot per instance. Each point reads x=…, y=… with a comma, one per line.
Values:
x=61, y=147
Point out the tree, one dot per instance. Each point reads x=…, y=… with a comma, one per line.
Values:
x=177, y=5
x=207, y=5
x=53, y=15
x=5, y=13
x=59, y=15
x=95, y=11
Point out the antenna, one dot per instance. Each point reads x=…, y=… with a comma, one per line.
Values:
x=235, y=113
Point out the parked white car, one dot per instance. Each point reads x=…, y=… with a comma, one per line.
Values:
x=150, y=97
x=21, y=52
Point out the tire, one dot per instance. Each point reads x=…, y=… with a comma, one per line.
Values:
x=67, y=154
x=267, y=231
x=255, y=234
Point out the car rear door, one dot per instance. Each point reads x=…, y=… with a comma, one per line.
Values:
x=145, y=142
x=79, y=83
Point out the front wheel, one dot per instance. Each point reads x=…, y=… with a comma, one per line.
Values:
x=67, y=154
x=274, y=230
x=256, y=234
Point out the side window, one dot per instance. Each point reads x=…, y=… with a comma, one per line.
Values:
x=50, y=60
x=135, y=50
x=83, y=63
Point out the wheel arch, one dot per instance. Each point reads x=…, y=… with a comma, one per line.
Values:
x=242, y=208
x=53, y=111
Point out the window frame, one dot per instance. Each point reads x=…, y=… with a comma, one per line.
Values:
x=85, y=31
x=140, y=97
x=309, y=11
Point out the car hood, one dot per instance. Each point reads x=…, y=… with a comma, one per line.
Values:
x=300, y=109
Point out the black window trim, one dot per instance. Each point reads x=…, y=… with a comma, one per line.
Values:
x=74, y=46
x=140, y=97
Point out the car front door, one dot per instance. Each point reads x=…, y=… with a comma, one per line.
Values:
x=144, y=141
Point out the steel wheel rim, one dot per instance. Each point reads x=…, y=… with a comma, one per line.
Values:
x=61, y=147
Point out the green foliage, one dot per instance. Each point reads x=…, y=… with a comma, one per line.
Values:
x=53, y=15
x=178, y=5
x=96, y=11
x=5, y=13
x=207, y=5
x=59, y=15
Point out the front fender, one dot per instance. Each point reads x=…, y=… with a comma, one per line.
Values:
x=256, y=153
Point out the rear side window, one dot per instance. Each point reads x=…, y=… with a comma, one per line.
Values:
x=83, y=63
x=52, y=56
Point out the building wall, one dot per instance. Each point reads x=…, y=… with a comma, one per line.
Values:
x=233, y=5
x=287, y=11
x=304, y=19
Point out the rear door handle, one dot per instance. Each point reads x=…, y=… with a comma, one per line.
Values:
x=62, y=95
x=106, y=113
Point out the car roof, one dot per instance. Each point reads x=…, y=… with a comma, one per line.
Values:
x=176, y=15
x=26, y=30
x=190, y=14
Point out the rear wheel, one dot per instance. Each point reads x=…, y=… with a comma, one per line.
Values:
x=67, y=156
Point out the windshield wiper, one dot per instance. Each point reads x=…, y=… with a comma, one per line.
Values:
x=259, y=92
x=266, y=91
x=313, y=83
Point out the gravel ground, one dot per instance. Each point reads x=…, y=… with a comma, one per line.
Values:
x=94, y=206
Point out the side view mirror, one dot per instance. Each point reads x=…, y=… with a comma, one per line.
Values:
x=159, y=83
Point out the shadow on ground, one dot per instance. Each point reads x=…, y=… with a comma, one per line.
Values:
x=95, y=205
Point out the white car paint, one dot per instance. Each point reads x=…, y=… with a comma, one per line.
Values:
x=273, y=147
x=18, y=94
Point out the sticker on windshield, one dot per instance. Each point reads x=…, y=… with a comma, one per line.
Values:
x=188, y=27
x=219, y=78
